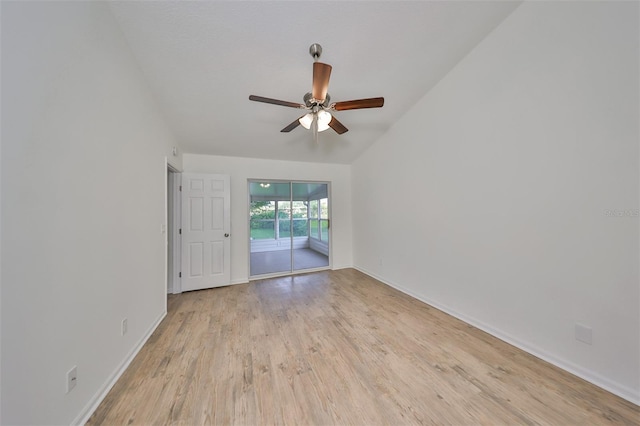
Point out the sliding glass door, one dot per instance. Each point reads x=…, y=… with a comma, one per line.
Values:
x=289, y=227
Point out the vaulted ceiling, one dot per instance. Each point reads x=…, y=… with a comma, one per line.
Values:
x=202, y=60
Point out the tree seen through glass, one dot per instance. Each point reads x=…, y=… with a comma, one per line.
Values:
x=263, y=215
x=306, y=218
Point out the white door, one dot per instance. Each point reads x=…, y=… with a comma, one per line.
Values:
x=205, y=231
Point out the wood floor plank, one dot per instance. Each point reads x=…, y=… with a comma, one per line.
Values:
x=339, y=347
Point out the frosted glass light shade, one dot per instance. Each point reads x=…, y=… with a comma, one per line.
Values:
x=306, y=121
x=324, y=118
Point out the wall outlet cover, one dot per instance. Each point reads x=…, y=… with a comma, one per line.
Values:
x=72, y=378
x=584, y=334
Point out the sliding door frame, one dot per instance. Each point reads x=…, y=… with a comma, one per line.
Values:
x=291, y=271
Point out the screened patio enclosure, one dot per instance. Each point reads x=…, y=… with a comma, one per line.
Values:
x=289, y=226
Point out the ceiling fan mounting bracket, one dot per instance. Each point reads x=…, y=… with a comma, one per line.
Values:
x=315, y=50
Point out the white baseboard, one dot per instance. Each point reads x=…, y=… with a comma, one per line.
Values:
x=338, y=267
x=99, y=396
x=240, y=281
x=615, y=388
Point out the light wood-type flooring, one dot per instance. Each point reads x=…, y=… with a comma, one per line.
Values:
x=338, y=347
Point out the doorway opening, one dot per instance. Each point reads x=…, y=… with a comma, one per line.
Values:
x=289, y=227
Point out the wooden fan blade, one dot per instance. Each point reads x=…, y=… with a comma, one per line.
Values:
x=292, y=126
x=337, y=126
x=359, y=104
x=321, y=75
x=275, y=101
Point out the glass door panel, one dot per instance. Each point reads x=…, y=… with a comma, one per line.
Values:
x=311, y=250
x=270, y=225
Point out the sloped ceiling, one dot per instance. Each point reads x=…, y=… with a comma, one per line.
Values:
x=203, y=60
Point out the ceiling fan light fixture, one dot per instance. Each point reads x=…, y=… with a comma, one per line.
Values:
x=324, y=118
x=306, y=121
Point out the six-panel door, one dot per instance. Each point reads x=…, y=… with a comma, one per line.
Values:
x=205, y=231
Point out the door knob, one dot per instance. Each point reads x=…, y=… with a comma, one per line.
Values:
x=226, y=235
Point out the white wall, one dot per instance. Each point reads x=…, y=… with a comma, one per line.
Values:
x=83, y=193
x=241, y=169
x=490, y=197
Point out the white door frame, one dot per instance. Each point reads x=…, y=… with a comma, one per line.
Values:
x=175, y=232
x=173, y=178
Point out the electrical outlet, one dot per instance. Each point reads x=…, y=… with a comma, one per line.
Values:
x=72, y=378
x=125, y=326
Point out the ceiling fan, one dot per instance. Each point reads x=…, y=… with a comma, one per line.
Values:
x=318, y=101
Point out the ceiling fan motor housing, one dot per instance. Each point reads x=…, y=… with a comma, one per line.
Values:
x=308, y=98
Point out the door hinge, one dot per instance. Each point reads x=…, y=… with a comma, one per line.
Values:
x=180, y=187
x=180, y=231
x=179, y=274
